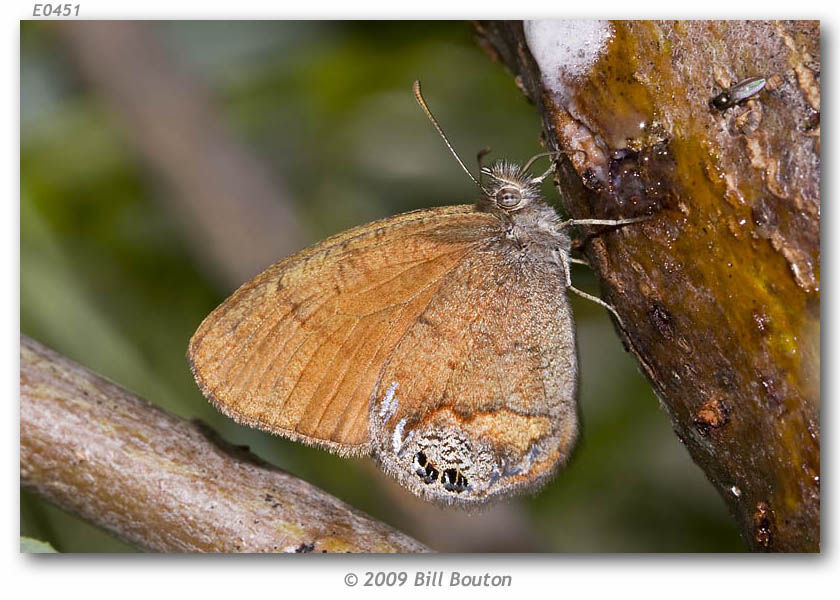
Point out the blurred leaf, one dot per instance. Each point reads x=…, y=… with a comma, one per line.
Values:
x=33, y=546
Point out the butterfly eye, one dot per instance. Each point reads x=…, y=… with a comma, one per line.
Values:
x=508, y=197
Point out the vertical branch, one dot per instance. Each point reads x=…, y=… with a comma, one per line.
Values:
x=719, y=291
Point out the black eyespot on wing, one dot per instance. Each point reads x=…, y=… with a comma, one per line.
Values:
x=453, y=481
x=461, y=481
x=424, y=469
x=431, y=474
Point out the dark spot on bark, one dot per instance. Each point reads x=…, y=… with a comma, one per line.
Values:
x=725, y=377
x=305, y=548
x=590, y=181
x=660, y=318
x=639, y=181
x=423, y=320
x=626, y=186
x=763, y=522
x=810, y=119
x=713, y=414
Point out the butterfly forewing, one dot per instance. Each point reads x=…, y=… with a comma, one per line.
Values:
x=299, y=349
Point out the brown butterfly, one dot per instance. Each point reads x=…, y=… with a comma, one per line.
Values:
x=439, y=341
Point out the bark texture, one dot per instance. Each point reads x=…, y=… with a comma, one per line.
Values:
x=165, y=484
x=719, y=291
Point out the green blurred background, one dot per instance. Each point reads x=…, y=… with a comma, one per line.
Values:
x=114, y=273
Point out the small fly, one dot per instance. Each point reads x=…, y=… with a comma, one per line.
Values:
x=738, y=93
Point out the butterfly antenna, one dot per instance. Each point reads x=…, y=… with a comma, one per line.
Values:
x=419, y=95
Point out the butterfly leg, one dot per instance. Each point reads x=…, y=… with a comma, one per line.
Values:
x=533, y=159
x=571, y=222
x=556, y=154
x=597, y=300
x=565, y=260
x=548, y=172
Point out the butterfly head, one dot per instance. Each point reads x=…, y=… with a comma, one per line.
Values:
x=513, y=193
x=510, y=188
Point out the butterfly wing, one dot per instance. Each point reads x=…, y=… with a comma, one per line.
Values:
x=299, y=349
x=479, y=397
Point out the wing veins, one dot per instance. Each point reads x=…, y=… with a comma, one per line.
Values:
x=306, y=338
x=230, y=348
x=441, y=281
x=281, y=299
x=404, y=304
x=301, y=327
x=333, y=395
x=326, y=371
x=279, y=322
x=307, y=259
x=407, y=392
x=417, y=263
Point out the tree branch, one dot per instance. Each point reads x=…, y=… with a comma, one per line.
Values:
x=165, y=484
x=720, y=290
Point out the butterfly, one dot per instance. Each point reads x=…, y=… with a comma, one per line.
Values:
x=440, y=342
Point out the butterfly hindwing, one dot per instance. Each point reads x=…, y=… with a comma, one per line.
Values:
x=478, y=398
